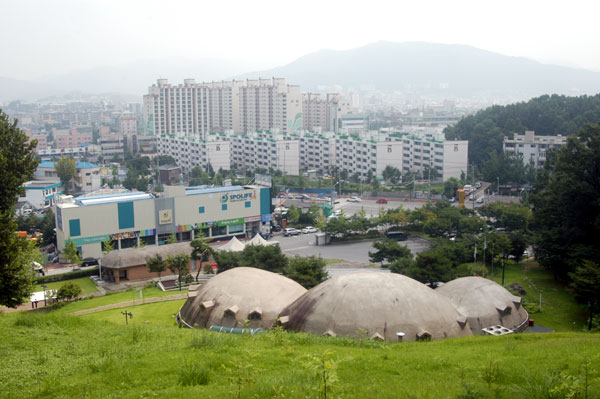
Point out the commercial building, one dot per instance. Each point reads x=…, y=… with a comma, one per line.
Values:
x=194, y=109
x=133, y=218
x=533, y=148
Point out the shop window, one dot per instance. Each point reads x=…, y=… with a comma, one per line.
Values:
x=236, y=228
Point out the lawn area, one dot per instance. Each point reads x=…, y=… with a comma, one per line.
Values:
x=333, y=260
x=559, y=309
x=86, y=284
x=158, y=313
x=59, y=356
x=123, y=296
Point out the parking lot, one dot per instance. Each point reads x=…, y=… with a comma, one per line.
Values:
x=358, y=252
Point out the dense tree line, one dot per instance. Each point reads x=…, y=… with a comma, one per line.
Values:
x=546, y=115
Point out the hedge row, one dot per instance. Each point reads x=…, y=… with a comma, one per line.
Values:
x=66, y=276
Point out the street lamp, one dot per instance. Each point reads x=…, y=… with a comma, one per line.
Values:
x=127, y=314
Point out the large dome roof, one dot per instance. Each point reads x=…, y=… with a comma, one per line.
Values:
x=242, y=296
x=375, y=305
x=484, y=303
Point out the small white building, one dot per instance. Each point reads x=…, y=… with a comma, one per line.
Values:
x=87, y=176
x=41, y=193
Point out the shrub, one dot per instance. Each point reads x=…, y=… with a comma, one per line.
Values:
x=66, y=276
x=68, y=291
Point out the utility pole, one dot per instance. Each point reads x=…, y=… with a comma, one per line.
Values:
x=429, y=183
x=473, y=185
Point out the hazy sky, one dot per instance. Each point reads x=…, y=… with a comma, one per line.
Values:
x=51, y=37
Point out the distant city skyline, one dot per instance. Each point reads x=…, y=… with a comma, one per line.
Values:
x=45, y=39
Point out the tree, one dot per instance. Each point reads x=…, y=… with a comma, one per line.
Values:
x=179, y=264
x=293, y=214
x=66, y=170
x=388, y=250
x=68, y=291
x=72, y=253
x=48, y=228
x=227, y=260
x=306, y=271
x=430, y=268
x=391, y=174
x=268, y=257
x=17, y=165
x=156, y=264
x=201, y=251
x=566, y=213
x=450, y=187
x=585, y=281
x=107, y=246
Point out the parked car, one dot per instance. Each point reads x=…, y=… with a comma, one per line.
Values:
x=382, y=201
x=397, y=235
x=89, y=262
x=309, y=229
x=479, y=200
x=354, y=199
x=290, y=231
x=276, y=228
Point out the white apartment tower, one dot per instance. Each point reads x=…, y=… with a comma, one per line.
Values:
x=193, y=109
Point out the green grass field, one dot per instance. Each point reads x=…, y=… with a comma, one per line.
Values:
x=86, y=284
x=159, y=313
x=123, y=296
x=60, y=356
x=559, y=310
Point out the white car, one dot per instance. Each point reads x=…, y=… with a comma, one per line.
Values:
x=309, y=229
x=354, y=199
x=479, y=200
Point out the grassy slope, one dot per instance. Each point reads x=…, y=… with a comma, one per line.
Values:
x=161, y=313
x=124, y=296
x=62, y=356
x=559, y=309
x=86, y=284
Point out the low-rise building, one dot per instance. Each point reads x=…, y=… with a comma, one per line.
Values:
x=42, y=193
x=130, y=219
x=534, y=148
x=87, y=177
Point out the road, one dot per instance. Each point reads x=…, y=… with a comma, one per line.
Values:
x=304, y=245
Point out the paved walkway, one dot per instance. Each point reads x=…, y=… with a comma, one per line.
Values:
x=131, y=303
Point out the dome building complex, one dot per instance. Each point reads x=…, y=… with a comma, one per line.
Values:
x=240, y=297
x=375, y=304
x=390, y=307
x=485, y=303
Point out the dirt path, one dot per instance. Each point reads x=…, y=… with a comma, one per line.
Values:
x=130, y=303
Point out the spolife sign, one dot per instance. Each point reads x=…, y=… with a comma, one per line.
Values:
x=165, y=216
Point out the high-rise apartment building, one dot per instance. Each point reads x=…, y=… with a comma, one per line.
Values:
x=193, y=109
x=322, y=113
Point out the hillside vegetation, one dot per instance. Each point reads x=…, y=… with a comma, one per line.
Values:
x=58, y=356
x=546, y=115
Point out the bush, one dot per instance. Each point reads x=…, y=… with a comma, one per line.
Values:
x=66, y=276
x=68, y=291
x=469, y=269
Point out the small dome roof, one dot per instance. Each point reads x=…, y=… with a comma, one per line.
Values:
x=484, y=303
x=375, y=304
x=139, y=256
x=242, y=296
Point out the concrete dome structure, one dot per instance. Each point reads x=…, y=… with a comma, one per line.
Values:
x=485, y=303
x=377, y=305
x=240, y=297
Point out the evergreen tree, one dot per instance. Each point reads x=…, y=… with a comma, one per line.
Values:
x=17, y=164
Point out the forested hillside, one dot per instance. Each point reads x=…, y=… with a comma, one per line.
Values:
x=546, y=115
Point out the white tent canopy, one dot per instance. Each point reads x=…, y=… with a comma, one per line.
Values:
x=258, y=240
x=233, y=245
